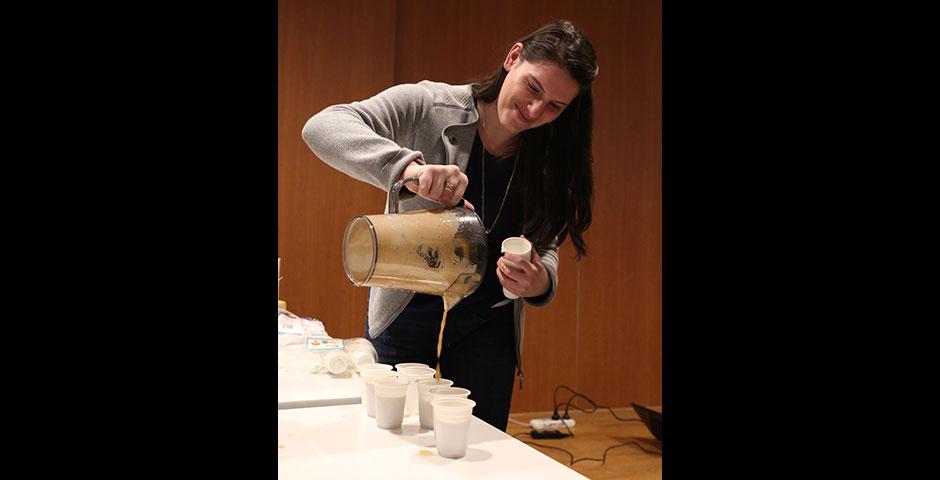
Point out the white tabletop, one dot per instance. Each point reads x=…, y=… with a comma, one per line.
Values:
x=343, y=443
x=296, y=390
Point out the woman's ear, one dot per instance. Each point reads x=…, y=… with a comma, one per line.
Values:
x=512, y=58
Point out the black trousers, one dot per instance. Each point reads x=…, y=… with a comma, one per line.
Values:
x=478, y=353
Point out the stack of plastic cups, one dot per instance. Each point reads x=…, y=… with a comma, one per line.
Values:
x=413, y=374
x=425, y=414
x=452, y=425
x=368, y=388
x=400, y=366
x=445, y=392
x=362, y=381
x=389, y=401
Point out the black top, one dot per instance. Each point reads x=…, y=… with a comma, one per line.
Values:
x=509, y=224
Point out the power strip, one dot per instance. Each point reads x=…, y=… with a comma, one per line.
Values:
x=548, y=434
x=547, y=424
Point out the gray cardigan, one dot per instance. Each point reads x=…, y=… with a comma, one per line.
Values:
x=375, y=139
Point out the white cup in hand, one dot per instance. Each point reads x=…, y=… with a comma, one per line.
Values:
x=517, y=246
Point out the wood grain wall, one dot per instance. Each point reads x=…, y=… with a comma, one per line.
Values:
x=602, y=335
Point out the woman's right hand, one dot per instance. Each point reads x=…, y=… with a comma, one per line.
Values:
x=444, y=184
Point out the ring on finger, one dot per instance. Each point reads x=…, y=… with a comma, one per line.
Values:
x=450, y=187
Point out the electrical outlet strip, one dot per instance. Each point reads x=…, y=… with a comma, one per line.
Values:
x=545, y=424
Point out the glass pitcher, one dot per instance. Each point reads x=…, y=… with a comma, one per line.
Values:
x=439, y=252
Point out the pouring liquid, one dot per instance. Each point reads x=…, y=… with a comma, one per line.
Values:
x=449, y=302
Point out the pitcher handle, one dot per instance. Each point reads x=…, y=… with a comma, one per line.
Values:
x=393, y=193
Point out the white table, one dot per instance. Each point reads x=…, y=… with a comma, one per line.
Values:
x=316, y=390
x=342, y=442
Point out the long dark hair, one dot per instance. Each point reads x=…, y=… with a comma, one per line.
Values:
x=555, y=160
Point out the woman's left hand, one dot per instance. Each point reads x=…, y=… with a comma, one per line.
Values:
x=521, y=276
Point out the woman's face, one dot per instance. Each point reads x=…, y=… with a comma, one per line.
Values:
x=533, y=93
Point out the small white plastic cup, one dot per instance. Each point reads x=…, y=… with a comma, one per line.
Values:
x=360, y=351
x=361, y=374
x=452, y=425
x=518, y=246
x=445, y=392
x=412, y=374
x=360, y=357
x=336, y=361
x=399, y=366
x=425, y=414
x=368, y=388
x=389, y=401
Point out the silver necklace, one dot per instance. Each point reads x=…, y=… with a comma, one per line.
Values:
x=515, y=163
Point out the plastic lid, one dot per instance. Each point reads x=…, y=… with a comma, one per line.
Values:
x=361, y=357
x=337, y=362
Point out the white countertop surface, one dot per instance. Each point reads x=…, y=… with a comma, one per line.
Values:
x=341, y=442
x=296, y=390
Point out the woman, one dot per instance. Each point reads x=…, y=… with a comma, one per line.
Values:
x=517, y=144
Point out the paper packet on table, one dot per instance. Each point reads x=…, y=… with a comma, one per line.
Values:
x=290, y=324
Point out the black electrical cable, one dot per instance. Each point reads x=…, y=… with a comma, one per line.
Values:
x=593, y=404
x=595, y=409
x=555, y=399
x=603, y=459
x=566, y=452
x=569, y=404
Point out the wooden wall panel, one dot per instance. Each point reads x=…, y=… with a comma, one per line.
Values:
x=328, y=52
x=602, y=335
x=620, y=308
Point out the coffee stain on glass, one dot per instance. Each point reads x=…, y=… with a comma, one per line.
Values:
x=431, y=256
